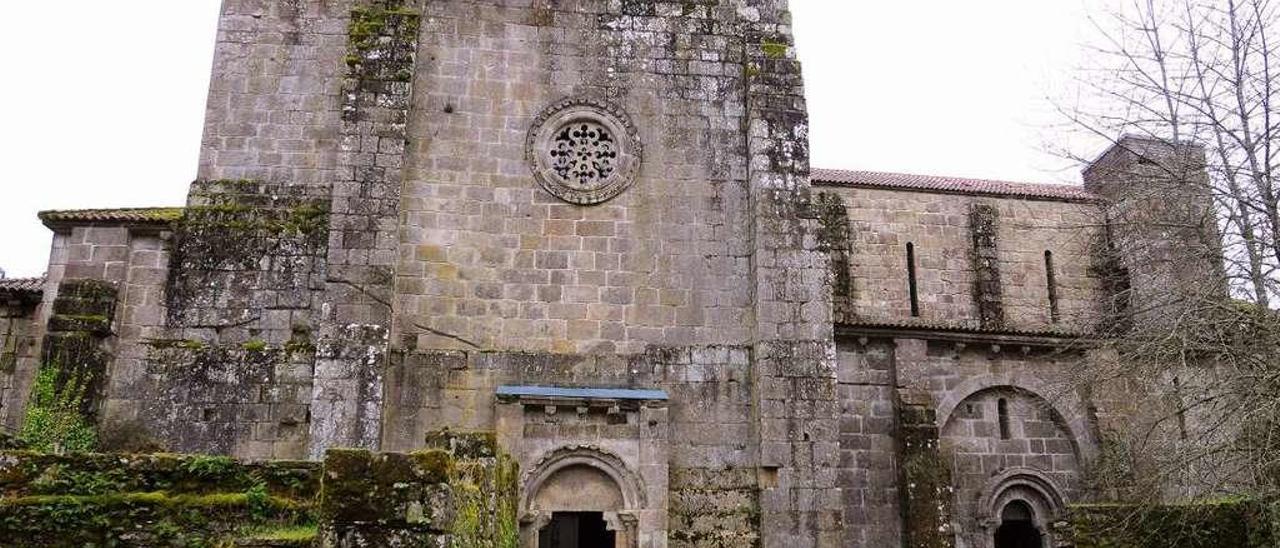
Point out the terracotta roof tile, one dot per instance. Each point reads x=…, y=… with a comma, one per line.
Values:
x=21, y=285
x=950, y=185
x=134, y=215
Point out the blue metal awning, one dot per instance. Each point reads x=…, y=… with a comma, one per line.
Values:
x=582, y=393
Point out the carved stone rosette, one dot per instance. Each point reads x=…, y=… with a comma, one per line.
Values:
x=584, y=150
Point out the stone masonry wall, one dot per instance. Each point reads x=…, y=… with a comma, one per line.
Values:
x=940, y=398
x=869, y=463
x=228, y=369
x=794, y=371
x=132, y=259
x=988, y=291
x=61, y=411
x=19, y=349
x=274, y=106
x=363, y=225
x=1163, y=231
x=1049, y=430
x=247, y=399
x=1037, y=440
x=712, y=482
x=462, y=491
x=367, y=256
x=248, y=258
x=884, y=221
x=490, y=260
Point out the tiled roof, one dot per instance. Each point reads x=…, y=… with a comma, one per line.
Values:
x=134, y=215
x=21, y=285
x=950, y=185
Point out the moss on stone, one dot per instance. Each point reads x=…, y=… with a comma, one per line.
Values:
x=24, y=473
x=381, y=42
x=432, y=492
x=94, y=323
x=168, y=499
x=485, y=500
x=158, y=517
x=299, y=347
x=542, y=16
x=464, y=445
x=288, y=533
x=254, y=345
x=436, y=466
x=773, y=49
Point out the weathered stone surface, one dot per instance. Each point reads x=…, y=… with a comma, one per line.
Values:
x=353, y=499
x=370, y=253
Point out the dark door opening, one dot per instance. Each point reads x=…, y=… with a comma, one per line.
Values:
x=576, y=530
x=1018, y=528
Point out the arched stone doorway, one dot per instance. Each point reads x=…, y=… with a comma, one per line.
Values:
x=1007, y=443
x=1021, y=509
x=580, y=497
x=1018, y=527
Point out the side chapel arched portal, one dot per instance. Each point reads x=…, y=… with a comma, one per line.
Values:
x=1018, y=527
x=1021, y=509
x=580, y=497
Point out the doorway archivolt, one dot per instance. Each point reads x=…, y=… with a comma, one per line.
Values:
x=580, y=497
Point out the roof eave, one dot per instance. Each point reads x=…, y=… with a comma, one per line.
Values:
x=954, y=192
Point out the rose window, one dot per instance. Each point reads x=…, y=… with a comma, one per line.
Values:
x=584, y=151
x=583, y=154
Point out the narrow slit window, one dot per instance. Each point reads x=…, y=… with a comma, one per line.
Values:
x=1051, y=280
x=1002, y=411
x=1182, y=412
x=911, y=279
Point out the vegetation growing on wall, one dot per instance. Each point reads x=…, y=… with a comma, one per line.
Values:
x=1235, y=522
x=774, y=49
x=62, y=404
x=486, y=507
x=925, y=480
x=462, y=492
x=378, y=39
x=149, y=500
x=53, y=421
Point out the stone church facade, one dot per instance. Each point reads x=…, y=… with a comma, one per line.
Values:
x=590, y=227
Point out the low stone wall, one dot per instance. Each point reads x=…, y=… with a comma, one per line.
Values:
x=461, y=492
x=1238, y=523
x=149, y=500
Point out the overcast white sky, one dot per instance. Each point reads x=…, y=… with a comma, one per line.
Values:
x=104, y=109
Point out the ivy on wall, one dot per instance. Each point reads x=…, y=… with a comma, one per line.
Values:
x=62, y=407
x=53, y=422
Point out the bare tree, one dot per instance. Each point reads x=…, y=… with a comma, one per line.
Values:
x=1187, y=376
x=1188, y=71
